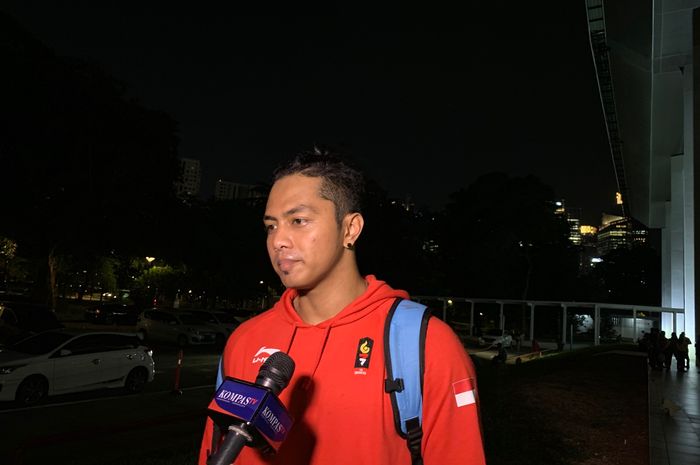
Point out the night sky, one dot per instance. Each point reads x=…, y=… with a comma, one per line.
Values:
x=426, y=104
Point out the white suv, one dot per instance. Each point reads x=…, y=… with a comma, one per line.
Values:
x=495, y=336
x=174, y=328
x=65, y=361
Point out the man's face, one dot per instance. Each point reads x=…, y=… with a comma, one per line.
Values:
x=304, y=241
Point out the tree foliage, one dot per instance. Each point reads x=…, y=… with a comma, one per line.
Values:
x=84, y=168
x=501, y=238
x=631, y=276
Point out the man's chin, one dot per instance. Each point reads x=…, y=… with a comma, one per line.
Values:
x=295, y=282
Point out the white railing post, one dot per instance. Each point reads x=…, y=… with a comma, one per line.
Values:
x=596, y=331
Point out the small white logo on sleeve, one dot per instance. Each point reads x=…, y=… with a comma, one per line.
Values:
x=262, y=354
x=464, y=392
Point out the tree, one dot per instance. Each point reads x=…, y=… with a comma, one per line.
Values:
x=631, y=276
x=501, y=238
x=8, y=251
x=399, y=244
x=157, y=284
x=85, y=170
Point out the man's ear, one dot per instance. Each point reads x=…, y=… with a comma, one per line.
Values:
x=352, y=228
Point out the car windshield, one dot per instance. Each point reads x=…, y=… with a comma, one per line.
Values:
x=227, y=318
x=41, y=343
x=203, y=316
x=190, y=320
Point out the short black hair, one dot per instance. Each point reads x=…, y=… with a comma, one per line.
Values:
x=342, y=183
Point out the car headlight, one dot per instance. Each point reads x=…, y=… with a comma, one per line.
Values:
x=6, y=370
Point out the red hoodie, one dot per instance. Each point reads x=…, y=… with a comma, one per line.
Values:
x=342, y=414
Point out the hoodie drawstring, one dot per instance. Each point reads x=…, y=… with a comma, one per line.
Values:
x=320, y=352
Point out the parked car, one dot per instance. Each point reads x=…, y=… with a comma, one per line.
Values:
x=65, y=361
x=112, y=313
x=20, y=319
x=492, y=337
x=174, y=328
x=222, y=322
x=240, y=314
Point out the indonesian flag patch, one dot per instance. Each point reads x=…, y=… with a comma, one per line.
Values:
x=464, y=392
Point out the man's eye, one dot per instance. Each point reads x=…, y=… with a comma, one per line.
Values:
x=269, y=228
x=299, y=221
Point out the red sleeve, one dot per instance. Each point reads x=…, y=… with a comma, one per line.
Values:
x=206, y=442
x=451, y=427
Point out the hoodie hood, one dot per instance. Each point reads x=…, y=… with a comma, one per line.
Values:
x=375, y=295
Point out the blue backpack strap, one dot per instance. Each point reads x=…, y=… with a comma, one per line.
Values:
x=404, y=354
x=220, y=373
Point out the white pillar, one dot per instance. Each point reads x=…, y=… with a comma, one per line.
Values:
x=691, y=314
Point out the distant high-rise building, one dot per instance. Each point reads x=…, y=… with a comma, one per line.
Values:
x=572, y=216
x=617, y=232
x=574, y=230
x=190, y=178
x=589, y=248
x=227, y=190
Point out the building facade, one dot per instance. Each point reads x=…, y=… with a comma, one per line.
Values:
x=620, y=232
x=190, y=178
x=227, y=190
x=644, y=53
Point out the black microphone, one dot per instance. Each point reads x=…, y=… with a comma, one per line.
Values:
x=251, y=413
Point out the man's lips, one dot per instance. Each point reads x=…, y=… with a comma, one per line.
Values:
x=286, y=264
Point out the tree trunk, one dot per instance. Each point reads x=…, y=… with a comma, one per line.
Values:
x=53, y=269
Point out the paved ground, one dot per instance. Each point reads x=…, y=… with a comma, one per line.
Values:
x=674, y=417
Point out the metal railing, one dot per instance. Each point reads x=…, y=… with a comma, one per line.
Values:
x=637, y=313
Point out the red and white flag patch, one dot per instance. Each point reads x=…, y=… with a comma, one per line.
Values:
x=464, y=392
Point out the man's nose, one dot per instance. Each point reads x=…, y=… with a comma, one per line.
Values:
x=280, y=238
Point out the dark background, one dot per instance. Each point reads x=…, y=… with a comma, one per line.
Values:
x=427, y=101
x=481, y=117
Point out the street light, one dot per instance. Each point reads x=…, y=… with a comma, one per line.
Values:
x=154, y=302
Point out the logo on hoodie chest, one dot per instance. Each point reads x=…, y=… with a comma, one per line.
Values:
x=363, y=356
x=262, y=354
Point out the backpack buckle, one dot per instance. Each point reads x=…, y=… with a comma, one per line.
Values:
x=393, y=385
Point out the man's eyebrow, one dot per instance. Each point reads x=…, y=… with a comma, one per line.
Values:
x=292, y=211
x=300, y=208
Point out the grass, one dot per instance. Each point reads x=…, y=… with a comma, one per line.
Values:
x=566, y=409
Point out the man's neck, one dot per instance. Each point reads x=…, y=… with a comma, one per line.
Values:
x=329, y=298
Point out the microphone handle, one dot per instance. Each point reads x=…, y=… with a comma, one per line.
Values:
x=231, y=446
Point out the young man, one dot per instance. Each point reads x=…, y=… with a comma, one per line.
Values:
x=342, y=413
